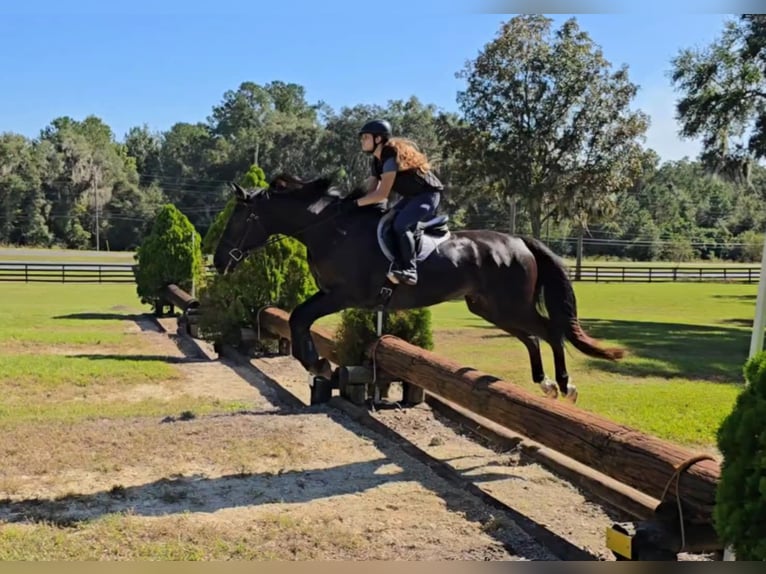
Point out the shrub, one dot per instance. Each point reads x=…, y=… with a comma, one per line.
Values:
x=741, y=494
x=277, y=274
x=358, y=330
x=171, y=253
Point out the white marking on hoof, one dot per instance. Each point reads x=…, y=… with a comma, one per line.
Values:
x=571, y=393
x=550, y=389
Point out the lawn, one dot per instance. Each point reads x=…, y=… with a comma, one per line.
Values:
x=70, y=352
x=35, y=254
x=687, y=344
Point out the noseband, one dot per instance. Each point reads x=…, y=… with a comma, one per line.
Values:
x=236, y=254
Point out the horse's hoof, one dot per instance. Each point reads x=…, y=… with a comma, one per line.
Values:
x=571, y=395
x=550, y=389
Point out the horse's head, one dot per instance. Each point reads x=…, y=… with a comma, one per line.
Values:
x=287, y=207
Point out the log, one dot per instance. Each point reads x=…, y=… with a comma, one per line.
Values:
x=639, y=460
x=180, y=298
x=616, y=494
x=276, y=321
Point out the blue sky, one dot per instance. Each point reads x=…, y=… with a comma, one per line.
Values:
x=164, y=62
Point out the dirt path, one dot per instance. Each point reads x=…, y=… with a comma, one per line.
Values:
x=523, y=484
x=266, y=482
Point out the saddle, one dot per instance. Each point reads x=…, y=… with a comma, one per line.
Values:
x=428, y=236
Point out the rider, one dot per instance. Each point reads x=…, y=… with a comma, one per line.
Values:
x=398, y=165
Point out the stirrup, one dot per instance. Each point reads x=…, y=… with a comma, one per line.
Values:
x=391, y=273
x=406, y=276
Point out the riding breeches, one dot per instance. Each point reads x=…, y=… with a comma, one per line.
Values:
x=412, y=210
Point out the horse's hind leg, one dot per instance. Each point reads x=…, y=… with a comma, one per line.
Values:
x=530, y=342
x=562, y=377
x=542, y=327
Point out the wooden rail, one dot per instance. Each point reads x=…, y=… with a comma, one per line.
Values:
x=26, y=272
x=657, y=274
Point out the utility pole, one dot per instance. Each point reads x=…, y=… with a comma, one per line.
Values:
x=194, y=283
x=512, y=201
x=95, y=200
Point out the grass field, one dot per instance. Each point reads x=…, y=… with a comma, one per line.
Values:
x=67, y=353
x=31, y=254
x=686, y=343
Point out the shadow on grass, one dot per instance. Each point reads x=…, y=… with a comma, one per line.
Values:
x=144, y=321
x=736, y=297
x=141, y=358
x=103, y=316
x=667, y=350
x=708, y=353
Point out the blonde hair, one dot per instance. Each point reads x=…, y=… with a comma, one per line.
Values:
x=408, y=154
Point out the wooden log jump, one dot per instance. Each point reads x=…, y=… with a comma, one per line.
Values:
x=275, y=321
x=639, y=460
x=188, y=305
x=648, y=465
x=180, y=298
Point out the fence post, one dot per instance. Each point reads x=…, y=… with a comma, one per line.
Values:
x=26, y=272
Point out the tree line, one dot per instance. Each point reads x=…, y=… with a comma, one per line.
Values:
x=545, y=142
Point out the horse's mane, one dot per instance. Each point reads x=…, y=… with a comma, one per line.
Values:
x=321, y=191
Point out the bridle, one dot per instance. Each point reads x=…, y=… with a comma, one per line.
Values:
x=236, y=254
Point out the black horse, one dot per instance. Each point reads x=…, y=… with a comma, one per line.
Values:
x=503, y=278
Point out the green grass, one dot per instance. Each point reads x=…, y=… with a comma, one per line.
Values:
x=39, y=382
x=12, y=415
x=30, y=374
x=59, y=314
x=8, y=253
x=127, y=536
x=687, y=344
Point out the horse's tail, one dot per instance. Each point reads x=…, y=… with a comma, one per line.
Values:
x=561, y=304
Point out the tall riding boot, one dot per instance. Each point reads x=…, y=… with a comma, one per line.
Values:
x=407, y=272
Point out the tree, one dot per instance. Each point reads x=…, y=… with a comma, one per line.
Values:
x=549, y=120
x=741, y=493
x=84, y=166
x=169, y=254
x=723, y=97
x=145, y=147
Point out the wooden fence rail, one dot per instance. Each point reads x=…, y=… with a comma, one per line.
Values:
x=657, y=274
x=26, y=272
x=49, y=272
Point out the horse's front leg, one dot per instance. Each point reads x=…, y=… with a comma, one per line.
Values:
x=301, y=319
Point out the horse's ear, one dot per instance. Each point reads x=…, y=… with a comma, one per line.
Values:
x=285, y=181
x=238, y=191
x=279, y=183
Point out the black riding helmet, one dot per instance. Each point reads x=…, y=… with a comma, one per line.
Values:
x=377, y=128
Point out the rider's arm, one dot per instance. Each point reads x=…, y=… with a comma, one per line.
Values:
x=371, y=184
x=386, y=183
